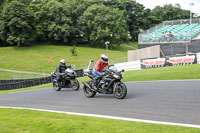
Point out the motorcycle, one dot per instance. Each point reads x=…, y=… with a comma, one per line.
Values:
x=109, y=82
x=68, y=80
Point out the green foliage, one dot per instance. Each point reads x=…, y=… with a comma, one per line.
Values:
x=90, y=22
x=76, y=8
x=59, y=20
x=101, y=23
x=16, y=23
x=170, y=12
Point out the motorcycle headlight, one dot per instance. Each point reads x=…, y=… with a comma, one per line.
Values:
x=116, y=76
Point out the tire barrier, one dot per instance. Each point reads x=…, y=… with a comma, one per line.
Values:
x=16, y=84
x=24, y=83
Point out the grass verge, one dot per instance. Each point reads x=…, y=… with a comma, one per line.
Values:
x=21, y=121
x=164, y=73
x=29, y=88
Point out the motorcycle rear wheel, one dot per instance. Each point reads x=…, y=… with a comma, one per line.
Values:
x=88, y=92
x=121, y=92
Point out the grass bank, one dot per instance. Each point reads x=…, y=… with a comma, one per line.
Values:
x=15, y=120
x=35, y=58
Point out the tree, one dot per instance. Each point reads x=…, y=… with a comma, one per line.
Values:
x=39, y=10
x=170, y=12
x=77, y=8
x=133, y=12
x=101, y=23
x=59, y=21
x=16, y=23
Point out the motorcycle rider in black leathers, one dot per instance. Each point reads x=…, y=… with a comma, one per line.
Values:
x=61, y=69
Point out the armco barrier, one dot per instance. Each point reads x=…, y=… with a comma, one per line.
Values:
x=23, y=83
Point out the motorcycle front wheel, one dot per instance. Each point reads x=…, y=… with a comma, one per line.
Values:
x=88, y=92
x=56, y=86
x=121, y=91
x=75, y=85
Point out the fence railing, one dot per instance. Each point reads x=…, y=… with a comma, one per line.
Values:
x=166, y=23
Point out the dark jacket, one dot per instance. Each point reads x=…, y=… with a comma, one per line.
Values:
x=61, y=69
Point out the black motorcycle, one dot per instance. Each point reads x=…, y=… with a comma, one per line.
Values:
x=109, y=82
x=68, y=80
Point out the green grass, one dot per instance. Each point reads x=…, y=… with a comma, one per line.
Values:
x=36, y=57
x=164, y=73
x=134, y=44
x=123, y=48
x=25, y=121
x=29, y=88
x=12, y=75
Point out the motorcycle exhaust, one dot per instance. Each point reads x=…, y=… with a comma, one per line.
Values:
x=85, y=83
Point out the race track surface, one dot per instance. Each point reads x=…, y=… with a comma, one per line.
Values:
x=168, y=101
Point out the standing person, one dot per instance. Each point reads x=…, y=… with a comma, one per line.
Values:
x=98, y=67
x=163, y=36
x=171, y=36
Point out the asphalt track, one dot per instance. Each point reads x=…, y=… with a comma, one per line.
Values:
x=168, y=101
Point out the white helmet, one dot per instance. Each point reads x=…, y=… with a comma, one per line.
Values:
x=62, y=62
x=104, y=58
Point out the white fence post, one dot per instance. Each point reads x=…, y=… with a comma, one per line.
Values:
x=198, y=58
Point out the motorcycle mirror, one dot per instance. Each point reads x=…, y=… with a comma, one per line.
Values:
x=123, y=70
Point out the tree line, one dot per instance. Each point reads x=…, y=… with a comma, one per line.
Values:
x=91, y=22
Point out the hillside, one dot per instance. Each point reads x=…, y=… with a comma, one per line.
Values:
x=36, y=58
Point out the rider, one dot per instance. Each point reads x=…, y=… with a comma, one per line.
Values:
x=98, y=67
x=61, y=69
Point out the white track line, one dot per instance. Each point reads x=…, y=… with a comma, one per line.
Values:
x=109, y=117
